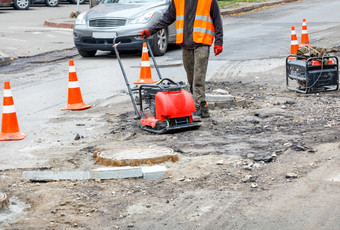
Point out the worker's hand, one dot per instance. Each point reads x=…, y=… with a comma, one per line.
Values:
x=145, y=33
x=218, y=49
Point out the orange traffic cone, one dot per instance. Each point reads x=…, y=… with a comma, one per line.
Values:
x=145, y=69
x=9, y=128
x=75, y=100
x=304, y=35
x=294, y=44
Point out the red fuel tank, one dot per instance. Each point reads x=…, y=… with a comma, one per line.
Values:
x=174, y=105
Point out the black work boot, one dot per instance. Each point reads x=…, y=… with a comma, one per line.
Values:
x=196, y=115
x=204, y=111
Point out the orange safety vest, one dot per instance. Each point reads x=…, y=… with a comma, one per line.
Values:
x=204, y=30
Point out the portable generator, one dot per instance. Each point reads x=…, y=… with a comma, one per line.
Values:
x=309, y=75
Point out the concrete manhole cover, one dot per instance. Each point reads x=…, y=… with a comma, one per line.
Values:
x=134, y=156
x=3, y=200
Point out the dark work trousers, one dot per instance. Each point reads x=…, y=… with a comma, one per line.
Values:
x=195, y=63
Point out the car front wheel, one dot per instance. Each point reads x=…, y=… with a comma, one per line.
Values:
x=52, y=3
x=160, y=42
x=21, y=4
x=75, y=1
x=87, y=53
x=93, y=3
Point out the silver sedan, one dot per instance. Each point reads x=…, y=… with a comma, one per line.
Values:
x=115, y=20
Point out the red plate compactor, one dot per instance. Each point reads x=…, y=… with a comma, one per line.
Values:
x=166, y=108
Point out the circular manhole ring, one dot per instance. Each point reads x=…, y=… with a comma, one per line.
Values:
x=3, y=200
x=134, y=156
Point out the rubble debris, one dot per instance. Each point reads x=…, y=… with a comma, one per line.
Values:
x=263, y=157
x=291, y=175
x=77, y=137
x=254, y=185
x=300, y=147
x=249, y=178
x=220, y=162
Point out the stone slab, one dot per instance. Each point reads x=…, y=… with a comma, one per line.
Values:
x=55, y=176
x=218, y=98
x=145, y=172
x=336, y=178
x=116, y=173
x=154, y=172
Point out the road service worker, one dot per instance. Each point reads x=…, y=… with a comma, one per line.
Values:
x=198, y=22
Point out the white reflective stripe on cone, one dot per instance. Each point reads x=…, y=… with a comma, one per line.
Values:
x=7, y=93
x=293, y=32
x=294, y=42
x=145, y=64
x=72, y=69
x=145, y=49
x=8, y=109
x=73, y=84
x=304, y=31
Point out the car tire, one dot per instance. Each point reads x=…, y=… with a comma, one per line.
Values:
x=21, y=4
x=160, y=42
x=75, y=1
x=52, y=3
x=93, y=3
x=87, y=53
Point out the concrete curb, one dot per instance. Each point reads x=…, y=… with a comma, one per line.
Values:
x=145, y=172
x=226, y=12
x=64, y=25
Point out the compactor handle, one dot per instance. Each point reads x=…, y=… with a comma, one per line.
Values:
x=169, y=80
x=149, y=48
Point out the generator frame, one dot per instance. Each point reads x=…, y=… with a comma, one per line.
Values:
x=312, y=78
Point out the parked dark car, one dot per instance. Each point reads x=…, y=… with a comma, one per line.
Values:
x=17, y=4
x=75, y=1
x=51, y=3
x=110, y=19
x=94, y=3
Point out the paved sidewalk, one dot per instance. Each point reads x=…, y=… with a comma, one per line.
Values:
x=68, y=22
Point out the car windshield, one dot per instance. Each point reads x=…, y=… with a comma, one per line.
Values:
x=130, y=1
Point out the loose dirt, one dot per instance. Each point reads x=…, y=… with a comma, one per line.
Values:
x=256, y=163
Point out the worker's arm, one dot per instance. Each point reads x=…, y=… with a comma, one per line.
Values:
x=168, y=17
x=217, y=21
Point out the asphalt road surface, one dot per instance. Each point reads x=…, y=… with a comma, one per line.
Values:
x=255, y=42
x=40, y=90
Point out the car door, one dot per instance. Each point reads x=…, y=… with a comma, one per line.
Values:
x=5, y=2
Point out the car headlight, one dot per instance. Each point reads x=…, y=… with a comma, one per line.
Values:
x=144, y=18
x=81, y=19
